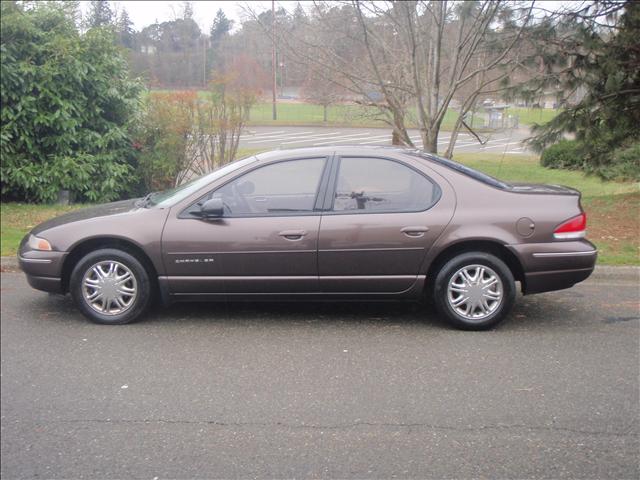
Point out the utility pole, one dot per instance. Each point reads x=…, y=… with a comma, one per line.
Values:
x=273, y=56
x=204, y=61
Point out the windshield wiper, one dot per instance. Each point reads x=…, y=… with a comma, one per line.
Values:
x=146, y=200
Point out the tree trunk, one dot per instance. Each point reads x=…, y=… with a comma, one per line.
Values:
x=454, y=138
x=430, y=140
x=324, y=114
x=399, y=135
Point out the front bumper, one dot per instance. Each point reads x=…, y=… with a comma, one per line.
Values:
x=556, y=265
x=43, y=269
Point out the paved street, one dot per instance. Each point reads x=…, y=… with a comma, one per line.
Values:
x=322, y=390
x=508, y=141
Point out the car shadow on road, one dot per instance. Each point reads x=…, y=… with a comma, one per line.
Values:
x=540, y=312
x=309, y=312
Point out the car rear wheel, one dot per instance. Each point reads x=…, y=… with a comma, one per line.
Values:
x=110, y=286
x=474, y=291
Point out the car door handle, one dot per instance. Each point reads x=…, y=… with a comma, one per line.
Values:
x=414, y=231
x=293, y=234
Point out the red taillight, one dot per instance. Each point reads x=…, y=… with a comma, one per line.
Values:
x=573, y=228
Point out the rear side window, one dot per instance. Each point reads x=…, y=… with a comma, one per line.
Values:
x=368, y=185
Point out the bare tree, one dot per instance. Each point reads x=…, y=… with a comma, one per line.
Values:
x=416, y=56
x=320, y=91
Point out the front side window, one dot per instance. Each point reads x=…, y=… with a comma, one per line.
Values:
x=280, y=188
x=379, y=185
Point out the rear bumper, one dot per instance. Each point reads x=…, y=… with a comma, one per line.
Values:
x=555, y=266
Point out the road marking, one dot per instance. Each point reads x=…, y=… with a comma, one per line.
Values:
x=383, y=140
x=376, y=139
x=276, y=138
x=256, y=135
x=501, y=145
x=279, y=135
x=286, y=138
x=365, y=136
x=462, y=145
x=311, y=137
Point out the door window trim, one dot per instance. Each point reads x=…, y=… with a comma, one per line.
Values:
x=330, y=195
x=320, y=192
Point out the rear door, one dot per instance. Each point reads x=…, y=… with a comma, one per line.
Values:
x=382, y=216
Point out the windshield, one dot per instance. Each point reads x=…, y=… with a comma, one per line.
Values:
x=172, y=196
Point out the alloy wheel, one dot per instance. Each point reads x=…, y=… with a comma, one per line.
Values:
x=474, y=292
x=109, y=287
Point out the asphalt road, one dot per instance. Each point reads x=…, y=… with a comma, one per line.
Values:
x=322, y=390
x=508, y=141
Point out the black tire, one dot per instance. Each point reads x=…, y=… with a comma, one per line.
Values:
x=138, y=304
x=498, y=309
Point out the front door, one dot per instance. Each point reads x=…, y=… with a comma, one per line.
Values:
x=265, y=243
x=383, y=218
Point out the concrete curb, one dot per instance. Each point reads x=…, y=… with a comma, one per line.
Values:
x=9, y=264
x=616, y=272
x=602, y=272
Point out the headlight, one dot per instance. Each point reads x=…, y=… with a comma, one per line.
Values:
x=37, y=243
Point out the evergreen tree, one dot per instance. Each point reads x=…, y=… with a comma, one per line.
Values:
x=125, y=31
x=220, y=27
x=596, y=70
x=299, y=14
x=100, y=14
x=187, y=10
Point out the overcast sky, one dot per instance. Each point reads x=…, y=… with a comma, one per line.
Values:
x=145, y=13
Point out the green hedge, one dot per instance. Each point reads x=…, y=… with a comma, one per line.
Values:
x=564, y=154
x=626, y=164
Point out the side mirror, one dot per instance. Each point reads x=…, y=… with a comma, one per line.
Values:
x=212, y=208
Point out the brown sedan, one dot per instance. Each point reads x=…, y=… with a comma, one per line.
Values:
x=320, y=223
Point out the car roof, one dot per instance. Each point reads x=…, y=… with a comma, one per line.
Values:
x=380, y=150
x=330, y=149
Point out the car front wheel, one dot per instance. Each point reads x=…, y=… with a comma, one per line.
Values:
x=110, y=286
x=474, y=291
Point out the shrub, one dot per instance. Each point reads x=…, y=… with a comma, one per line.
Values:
x=625, y=164
x=67, y=103
x=163, y=137
x=182, y=135
x=564, y=154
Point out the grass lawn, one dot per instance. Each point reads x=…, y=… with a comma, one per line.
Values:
x=352, y=115
x=529, y=116
x=613, y=209
x=16, y=219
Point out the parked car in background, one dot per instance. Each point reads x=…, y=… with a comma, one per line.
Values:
x=337, y=223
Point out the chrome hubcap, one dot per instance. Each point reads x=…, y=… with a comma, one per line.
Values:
x=475, y=292
x=109, y=287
